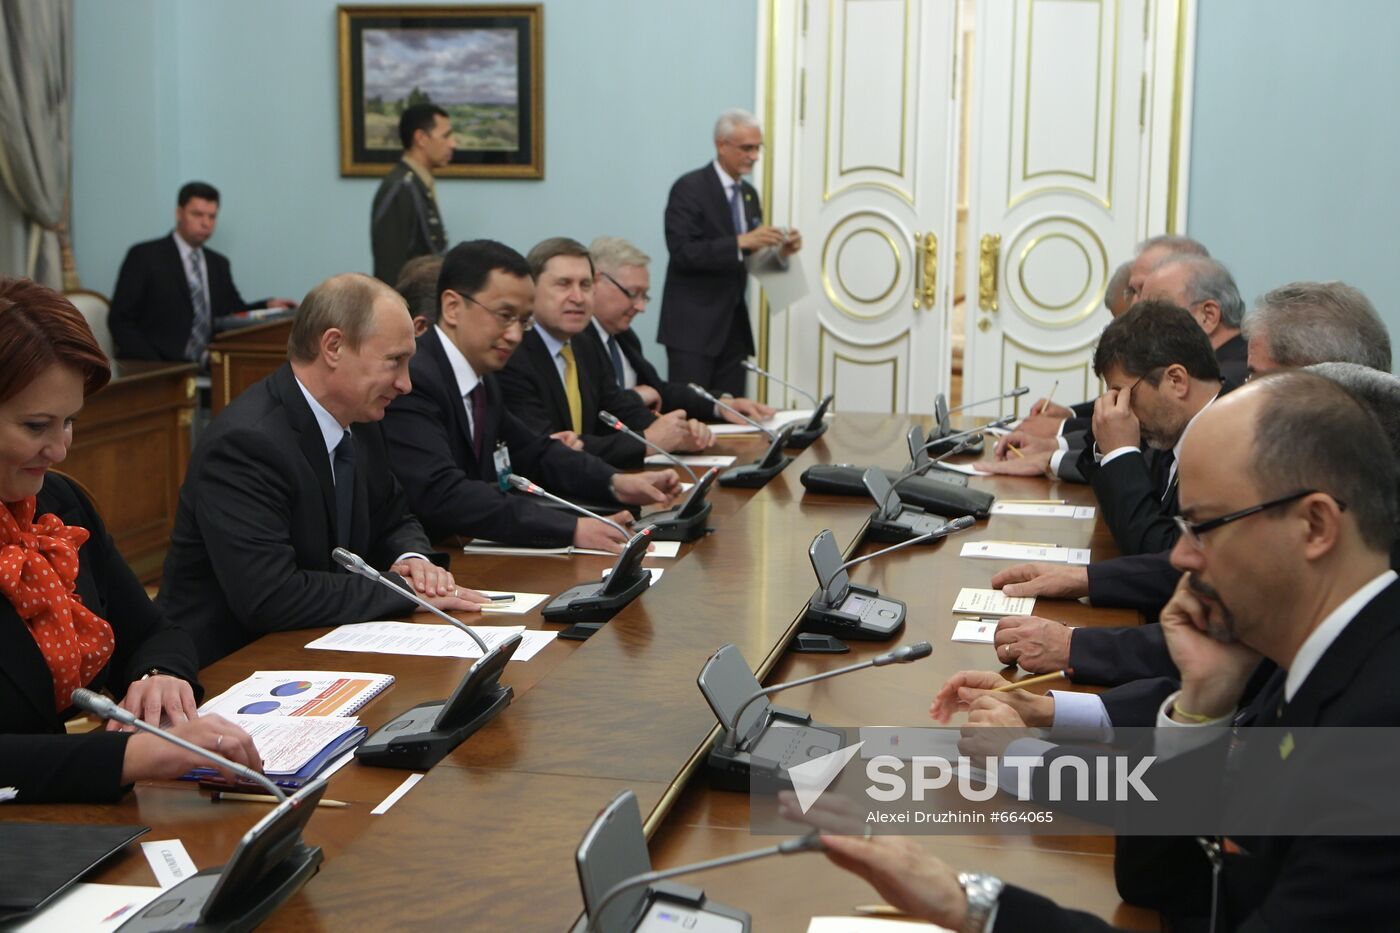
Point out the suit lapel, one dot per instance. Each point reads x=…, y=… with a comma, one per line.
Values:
x=310, y=439
x=1337, y=667
x=544, y=363
x=443, y=368
x=718, y=203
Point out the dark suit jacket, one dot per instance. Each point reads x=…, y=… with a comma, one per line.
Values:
x=455, y=492
x=1138, y=498
x=705, y=279
x=1315, y=882
x=35, y=755
x=673, y=394
x=151, y=307
x=254, y=531
x=1233, y=357
x=534, y=393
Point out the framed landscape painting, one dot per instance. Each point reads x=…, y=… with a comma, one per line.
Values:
x=484, y=65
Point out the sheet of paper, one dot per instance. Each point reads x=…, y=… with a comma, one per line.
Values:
x=287, y=743
x=1012, y=550
x=871, y=925
x=8, y=793
x=424, y=639
x=975, y=631
x=784, y=285
x=522, y=603
x=992, y=602
x=964, y=468
x=996, y=432
x=169, y=861
x=1038, y=510
x=94, y=908
x=693, y=460
x=396, y=795
x=720, y=430
x=297, y=693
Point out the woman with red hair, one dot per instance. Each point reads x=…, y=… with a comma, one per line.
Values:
x=72, y=614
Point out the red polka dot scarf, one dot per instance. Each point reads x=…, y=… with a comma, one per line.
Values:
x=38, y=571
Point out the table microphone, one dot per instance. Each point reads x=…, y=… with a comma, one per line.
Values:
x=905, y=654
x=700, y=390
x=942, y=531
x=920, y=470
x=999, y=423
x=614, y=422
x=757, y=370
x=100, y=705
x=1014, y=393
x=811, y=842
x=356, y=564
x=528, y=485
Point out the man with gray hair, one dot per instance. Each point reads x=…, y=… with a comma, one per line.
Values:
x=1204, y=287
x=1304, y=323
x=1152, y=252
x=714, y=230
x=621, y=291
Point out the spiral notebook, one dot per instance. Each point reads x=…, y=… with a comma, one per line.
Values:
x=299, y=693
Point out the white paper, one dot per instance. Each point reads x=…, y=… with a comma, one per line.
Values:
x=396, y=794
x=692, y=460
x=425, y=639
x=785, y=283
x=294, y=693
x=778, y=421
x=169, y=861
x=1043, y=510
x=975, y=631
x=871, y=925
x=522, y=603
x=287, y=743
x=964, y=468
x=720, y=430
x=8, y=793
x=336, y=765
x=992, y=602
x=1011, y=550
x=94, y=908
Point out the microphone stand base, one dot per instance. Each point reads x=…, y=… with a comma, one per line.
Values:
x=880, y=618
x=666, y=525
x=802, y=438
x=409, y=741
x=752, y=475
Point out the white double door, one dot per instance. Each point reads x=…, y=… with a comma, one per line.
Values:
x=862, y=101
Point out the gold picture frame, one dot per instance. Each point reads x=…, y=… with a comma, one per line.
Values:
x=390, y=57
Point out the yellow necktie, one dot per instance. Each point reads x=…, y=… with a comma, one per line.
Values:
x=571, y=388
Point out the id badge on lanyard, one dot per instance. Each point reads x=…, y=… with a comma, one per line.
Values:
x=502, y=460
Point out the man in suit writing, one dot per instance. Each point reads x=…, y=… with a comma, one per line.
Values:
x=170, y=290
x=294, y=468
x=621, y=291
x=714, y=226
x=451, y=436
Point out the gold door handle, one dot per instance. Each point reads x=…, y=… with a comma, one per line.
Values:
x=988, y=261
x=930, y=270
x=918, y=267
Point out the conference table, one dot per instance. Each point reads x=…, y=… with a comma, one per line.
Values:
x=486, y=840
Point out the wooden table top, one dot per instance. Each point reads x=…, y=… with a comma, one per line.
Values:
x=491, y=830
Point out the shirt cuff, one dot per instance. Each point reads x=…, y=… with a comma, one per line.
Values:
x=1056, y=459
x=407, y=554
x=1060, y=431
x=1061, y=440
x=1117, y=452
x=1080, y=717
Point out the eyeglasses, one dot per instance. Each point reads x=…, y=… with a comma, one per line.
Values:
x=504, y=318
x=1191, y=532
x=634, y=297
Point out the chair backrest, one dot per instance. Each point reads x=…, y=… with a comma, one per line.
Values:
x=94, y=306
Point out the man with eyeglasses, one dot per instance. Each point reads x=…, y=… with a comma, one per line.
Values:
x=1285, y=620
x=452, y=437
x=621, y=291
x=714, y=232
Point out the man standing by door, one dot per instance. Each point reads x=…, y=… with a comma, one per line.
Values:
x=714, y=232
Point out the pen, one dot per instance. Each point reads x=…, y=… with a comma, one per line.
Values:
x=1032, y=681
x=878, y=910
x=1050, y=395
x=501, y=597
x=268, y=798
x=1016, y=450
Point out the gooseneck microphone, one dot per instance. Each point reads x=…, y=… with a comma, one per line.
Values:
x=753, y=368
x=942, y=531
x=100, y=705
x=809, y=843
x=703, y=393
x=920, y=470
x=904, y=654
x=999, y=423
x=614, y=422
x=356, y=564
x=1018, y=391
x=528, y=485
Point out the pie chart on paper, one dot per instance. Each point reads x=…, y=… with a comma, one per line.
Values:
x=291, y=689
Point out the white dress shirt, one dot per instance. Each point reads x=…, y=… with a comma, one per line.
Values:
x=462, y=371
x=555, y=347
x=629, y=375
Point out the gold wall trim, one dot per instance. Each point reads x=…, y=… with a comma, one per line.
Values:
x=1072, y=348
x=1095, y=300
x=1021, y=270
x=822, y=331
x=1178, y=81
x=887, y=361
x=826, y=267
x=770, y=81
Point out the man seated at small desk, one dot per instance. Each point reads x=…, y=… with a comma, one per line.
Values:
x=295, y=468
x=621, y=291
x=451, y=437
x=170, y=290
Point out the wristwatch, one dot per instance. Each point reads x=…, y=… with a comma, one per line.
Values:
x=982, y=892
x=156, y=672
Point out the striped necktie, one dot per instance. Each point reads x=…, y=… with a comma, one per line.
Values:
x=202, y=326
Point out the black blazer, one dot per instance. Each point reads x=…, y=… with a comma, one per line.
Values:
x=705, y=279
x=254, y=531
x=36, y=757
x=430, y=446
x=1233, y=357
x=1138, y=497
x=673, y=394
x=152, y=311
x=1315, y=882
x=534, y=393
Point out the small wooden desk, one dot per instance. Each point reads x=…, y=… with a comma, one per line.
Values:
x=130, y=449
x=239, y=358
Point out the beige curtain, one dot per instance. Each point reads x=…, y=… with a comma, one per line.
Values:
x=36, y=76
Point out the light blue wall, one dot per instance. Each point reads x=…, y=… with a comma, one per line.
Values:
x=1296, y=141
x=243, y=93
